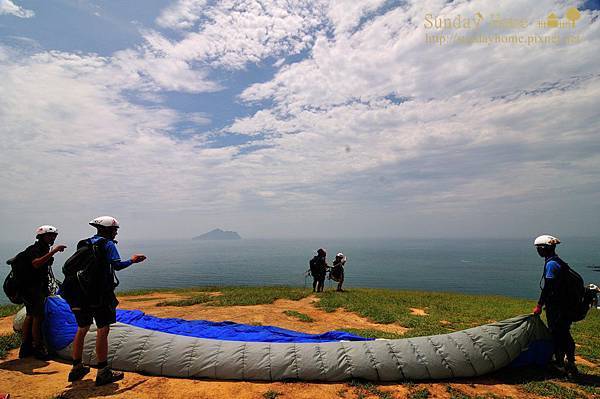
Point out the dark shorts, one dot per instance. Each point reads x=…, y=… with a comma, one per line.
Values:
x=103, y=316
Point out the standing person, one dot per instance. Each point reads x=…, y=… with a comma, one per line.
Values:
x=553, y=298
x=101, y=304
x=337, y=270
x=36, y=262
x=318, y=269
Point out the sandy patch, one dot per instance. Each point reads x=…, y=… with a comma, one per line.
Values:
x=6, y=325
x=418, y=312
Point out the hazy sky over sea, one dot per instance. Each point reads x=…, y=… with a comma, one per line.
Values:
x=300, y=118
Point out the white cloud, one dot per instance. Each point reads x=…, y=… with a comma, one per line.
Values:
x=10, y=8
x=181, y=15
x=234, y=33
x=374, y=127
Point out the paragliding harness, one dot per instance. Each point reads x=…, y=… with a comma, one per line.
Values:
x=335, y=272
x=574, y=297
x=12, y=283
x=87, y=275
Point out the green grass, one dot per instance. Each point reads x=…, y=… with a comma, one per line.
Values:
x=460, y=311
x=552, y=390
x=271, y=394
x=8, y=310
x=237, y=296
x=365, y=388
x=372, y=333
x=300, y=316
x=419, y=393
x=143, y=299
x=8, y=343
x=586, y=336
x=192, y=300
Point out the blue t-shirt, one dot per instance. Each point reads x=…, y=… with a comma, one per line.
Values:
x=552, y=269
x=112, y=254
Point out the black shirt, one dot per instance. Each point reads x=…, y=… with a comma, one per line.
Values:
x=36, y=277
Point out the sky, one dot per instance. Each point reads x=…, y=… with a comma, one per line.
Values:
x=297, y=118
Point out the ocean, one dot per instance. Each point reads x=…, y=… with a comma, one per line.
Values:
x=491, y=266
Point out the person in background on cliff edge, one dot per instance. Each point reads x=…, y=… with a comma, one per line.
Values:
x=337, y=270
x=318, y=270
x=552, y=297
x=101, y=308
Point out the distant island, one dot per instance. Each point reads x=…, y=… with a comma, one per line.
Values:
x=218, y=234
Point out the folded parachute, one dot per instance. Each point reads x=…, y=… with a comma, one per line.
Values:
x=201, y=349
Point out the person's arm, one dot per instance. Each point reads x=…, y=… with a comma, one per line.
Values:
x=38, y=262
x=115, y=259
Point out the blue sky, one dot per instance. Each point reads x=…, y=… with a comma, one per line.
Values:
x=297, y=119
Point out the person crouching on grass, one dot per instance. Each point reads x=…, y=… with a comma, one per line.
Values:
x=101, y=308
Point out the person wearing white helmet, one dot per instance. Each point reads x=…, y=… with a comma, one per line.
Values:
x=337, y=270
x=103, y=310
x=552, y=298
x=35, y=263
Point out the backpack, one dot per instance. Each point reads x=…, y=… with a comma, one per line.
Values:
x=88, y=268
x=314, y=268
x=336, y=271
x=576, y=298
x=12, y=284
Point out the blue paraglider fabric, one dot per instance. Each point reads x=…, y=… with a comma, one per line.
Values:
x=60, y=327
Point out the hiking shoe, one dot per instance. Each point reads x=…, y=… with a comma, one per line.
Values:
x=106, y=376
x=25, y=350
x=558, y=367
x=571, y=370
x=41, y=353
x=78, y=372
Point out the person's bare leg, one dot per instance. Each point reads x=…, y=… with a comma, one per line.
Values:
x=79, y=370
x=27, y=328
x=36, y=331
x=102, y=344
x=78, y=342
x=26, y=347
x=105, y=374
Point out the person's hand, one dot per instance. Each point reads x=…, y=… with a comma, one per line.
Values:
x=137, y=258
x=59, y=248
x=538, y=309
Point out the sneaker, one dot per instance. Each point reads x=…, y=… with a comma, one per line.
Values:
x=558, y=366
x=106, y=376
x=78, y=372
x=571, y=370
x=25, y=350
x=41, y=353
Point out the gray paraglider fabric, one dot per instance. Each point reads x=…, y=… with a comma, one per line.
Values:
x=467, y=353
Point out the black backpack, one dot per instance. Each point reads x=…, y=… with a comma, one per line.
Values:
x=12, y=284
x=313, y=266
x=89, y=268
x=575, y=296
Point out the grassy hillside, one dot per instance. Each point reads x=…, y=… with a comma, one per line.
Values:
x=439, y=313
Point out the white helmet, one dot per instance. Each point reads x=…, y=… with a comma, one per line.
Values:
x=339, y=255
x=105, y=221
x=46, y=229
x=546, y=240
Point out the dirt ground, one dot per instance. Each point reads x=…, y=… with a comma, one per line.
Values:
x=30, y=378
